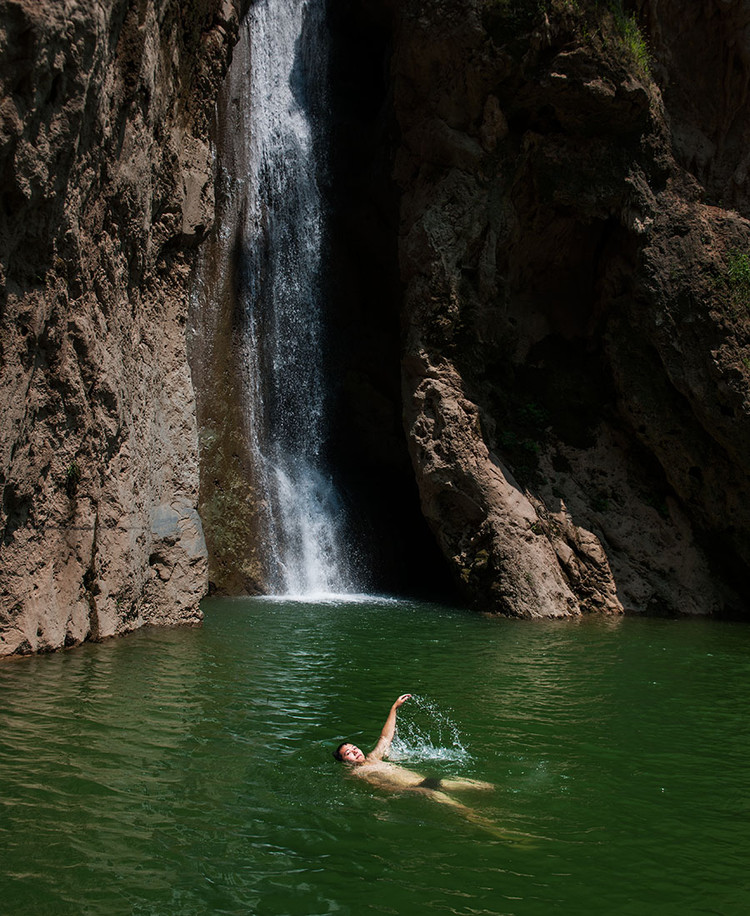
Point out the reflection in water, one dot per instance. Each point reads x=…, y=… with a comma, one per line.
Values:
x=190, y=771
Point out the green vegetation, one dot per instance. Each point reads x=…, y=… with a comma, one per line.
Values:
x=507, y=17
x=72, y=478
x=659, y=503
x=525, y=429
x=600, y=502
x=533, y=416
x=517, y=8
x=631, y=36
x=603, y=22
x=737, y=278
x=525, y=9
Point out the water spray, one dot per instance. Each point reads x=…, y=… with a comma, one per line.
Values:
x=427, y=733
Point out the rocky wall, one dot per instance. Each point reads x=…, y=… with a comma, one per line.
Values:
x=574, y=293
x=574, y=248
x=106, y=189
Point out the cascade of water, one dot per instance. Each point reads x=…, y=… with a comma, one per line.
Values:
x=275, y=109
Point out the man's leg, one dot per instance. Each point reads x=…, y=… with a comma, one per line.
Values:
x=466, y=784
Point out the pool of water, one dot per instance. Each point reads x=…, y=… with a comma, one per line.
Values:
x=190, y=771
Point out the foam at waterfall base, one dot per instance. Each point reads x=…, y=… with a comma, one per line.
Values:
x=333, y=598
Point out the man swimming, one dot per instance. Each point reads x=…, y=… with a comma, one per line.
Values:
x=385, y=775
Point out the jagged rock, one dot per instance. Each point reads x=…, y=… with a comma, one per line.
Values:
x=575, y=265
x=576, y=360
x=106, y=187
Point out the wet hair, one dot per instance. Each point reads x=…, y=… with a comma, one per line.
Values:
x=337, y=752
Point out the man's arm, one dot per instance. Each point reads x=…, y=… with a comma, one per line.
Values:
x=389, y=730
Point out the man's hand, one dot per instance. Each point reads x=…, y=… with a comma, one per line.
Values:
x=389, y=730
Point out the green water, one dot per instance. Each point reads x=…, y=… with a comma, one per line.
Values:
x=190, y=771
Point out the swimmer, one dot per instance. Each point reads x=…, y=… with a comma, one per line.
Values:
x=379, y=772
x=385, y=775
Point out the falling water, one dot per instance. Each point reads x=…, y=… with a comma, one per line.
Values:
x=275, y=109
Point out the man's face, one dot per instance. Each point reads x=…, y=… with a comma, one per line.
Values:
x=350, y=753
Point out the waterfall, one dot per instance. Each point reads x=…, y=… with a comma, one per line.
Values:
x=274, y=125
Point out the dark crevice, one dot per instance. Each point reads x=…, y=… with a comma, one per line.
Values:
x=368, y=445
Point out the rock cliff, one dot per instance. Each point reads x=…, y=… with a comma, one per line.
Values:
x=106, y=186
x=575, y=254
x=550, y=197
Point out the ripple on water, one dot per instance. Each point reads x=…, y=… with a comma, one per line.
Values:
x=191, y=771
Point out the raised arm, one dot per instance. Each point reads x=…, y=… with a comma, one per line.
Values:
x=389, y=730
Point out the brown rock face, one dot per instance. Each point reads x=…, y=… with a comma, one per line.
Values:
x=105, y=178
x=230, y=506
x=574, y=253
x=577, y=300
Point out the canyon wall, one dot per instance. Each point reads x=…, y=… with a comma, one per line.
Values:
x=107, y=190
x=540, y=299
x=575, y=255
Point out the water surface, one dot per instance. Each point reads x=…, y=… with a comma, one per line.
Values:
x=190, y=771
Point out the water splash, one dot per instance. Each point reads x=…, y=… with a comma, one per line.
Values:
x=427, y=733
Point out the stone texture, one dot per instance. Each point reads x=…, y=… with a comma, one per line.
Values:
x=106, y=186
x=575, y=368
x=575, y=355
